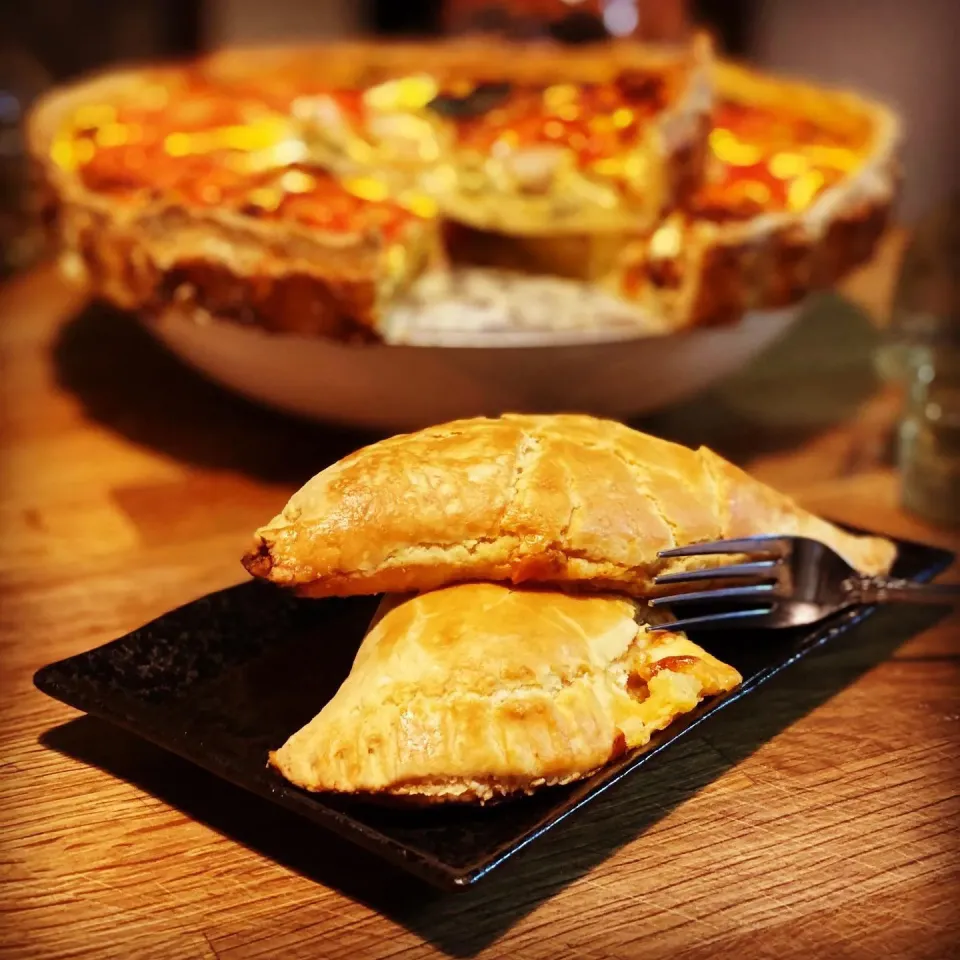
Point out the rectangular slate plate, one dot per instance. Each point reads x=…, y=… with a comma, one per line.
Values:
x=228, y=677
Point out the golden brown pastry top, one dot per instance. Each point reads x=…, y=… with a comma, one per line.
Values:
x=481, y=690
x=544, y=499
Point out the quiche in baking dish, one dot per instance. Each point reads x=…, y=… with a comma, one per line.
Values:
x=307, y=190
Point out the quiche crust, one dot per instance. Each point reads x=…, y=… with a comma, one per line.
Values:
x=698, y=269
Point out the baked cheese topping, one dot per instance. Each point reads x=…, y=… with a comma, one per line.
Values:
x=596, y=122
x=196, y=138
x=765, y=161
x=191, y=139
x=187, y=143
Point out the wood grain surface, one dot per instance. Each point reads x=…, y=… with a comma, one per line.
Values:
x=818, y=818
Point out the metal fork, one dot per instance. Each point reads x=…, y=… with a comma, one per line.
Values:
x=784, y=582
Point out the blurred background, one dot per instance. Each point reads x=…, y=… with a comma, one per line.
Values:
x=899, y=52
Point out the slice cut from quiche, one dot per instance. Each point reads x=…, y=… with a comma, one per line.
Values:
x=165, y=194
x=481, y=691
x=799, y=185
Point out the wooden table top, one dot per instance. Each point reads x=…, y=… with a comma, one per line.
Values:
x=817, y=818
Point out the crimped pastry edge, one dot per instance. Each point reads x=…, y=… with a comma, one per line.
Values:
x=669, y=660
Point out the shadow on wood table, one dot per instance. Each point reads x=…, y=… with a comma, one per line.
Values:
x=462, y=924
x=816, y=377
x=133, y=385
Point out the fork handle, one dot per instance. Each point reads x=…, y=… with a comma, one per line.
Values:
x=894, y=590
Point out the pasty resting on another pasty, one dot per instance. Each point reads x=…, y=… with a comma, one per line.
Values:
x=482, y=690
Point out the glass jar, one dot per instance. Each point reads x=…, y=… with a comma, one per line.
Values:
x=929, y=437
x=926, y=301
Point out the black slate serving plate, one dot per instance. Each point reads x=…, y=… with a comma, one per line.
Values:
x=228, y=677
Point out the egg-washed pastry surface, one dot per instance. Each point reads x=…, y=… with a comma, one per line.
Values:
x=481, y=690
x=300, y=190
x=541, y=499
x=798, y=188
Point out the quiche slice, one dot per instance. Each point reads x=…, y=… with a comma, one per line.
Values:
x=165, y=193
x=798, y=191
x=480, y=691
x=799, y=185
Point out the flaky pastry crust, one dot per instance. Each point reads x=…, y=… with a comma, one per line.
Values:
x=479, y=691
x=539, y=499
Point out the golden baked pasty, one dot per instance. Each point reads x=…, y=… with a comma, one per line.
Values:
x=540, y=499
x=481, y=690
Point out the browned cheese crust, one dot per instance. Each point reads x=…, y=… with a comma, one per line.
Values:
x=480, y=691
x=501, y=170
x=540, y=499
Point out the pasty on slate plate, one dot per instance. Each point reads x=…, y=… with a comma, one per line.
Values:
x=482, y=690
x=565, y=500
x=471, y=691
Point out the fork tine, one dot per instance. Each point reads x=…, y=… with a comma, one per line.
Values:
x=718, y=573
x=769, y=546
x=728, y=593
x=715, y=621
